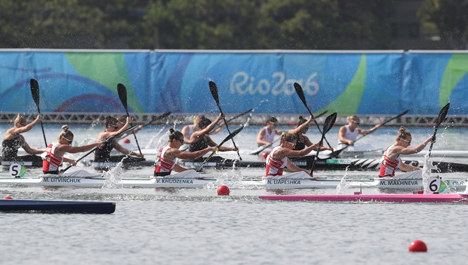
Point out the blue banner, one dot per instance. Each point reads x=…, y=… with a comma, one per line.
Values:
x=346, y=82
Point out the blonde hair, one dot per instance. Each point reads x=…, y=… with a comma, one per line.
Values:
x=287, y=137
x=66, y=132
x=353, y=118
x=403, y=134
x=19, y=119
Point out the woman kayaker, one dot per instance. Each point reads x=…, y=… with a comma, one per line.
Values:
x=165, y=160
x=279, y=156
x=188, y=130
x=103, y=154
x=266, y=135
x=200, y=139
x=391, y=157
x=53, y=156
x=348, y=133
x=14, y=140
x=301, y=129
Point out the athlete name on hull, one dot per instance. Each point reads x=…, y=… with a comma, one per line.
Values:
x=174, y=181
x=62, y=180
x=399, y=183
x=284, y=182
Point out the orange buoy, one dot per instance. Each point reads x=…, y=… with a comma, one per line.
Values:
x=126, y=141
x=417, y=246
x=223, y=190
x=7, y=198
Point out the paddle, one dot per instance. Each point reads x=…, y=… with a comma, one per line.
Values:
x=162, y=116
x=214, y=93
x=328, y=124
x=263, y=147
x=229, y=137
x=122, y=90
x=233, y=118
x=35, y=95
x=337, y=152
x=92, y=150
x=442, y=114
x=300, y=93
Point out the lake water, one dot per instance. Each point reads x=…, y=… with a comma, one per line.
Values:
x=152, y=226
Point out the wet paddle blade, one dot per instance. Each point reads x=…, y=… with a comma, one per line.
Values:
x=214, y=91
x=329, y=122
x=300, y=93
x=122, y=91
x=35, y=92
x=442, y=114
x=231, y=135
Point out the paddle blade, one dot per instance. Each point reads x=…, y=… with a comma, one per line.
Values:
x=122, y=90
x=35, y=91
x=214, y=91
x=329, y=122
x=442, y=114
x=300, y=93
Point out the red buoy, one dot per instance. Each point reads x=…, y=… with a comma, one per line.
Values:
x=126, y=141
x=265, y=155
x=223, y=190
x=417, y=246
x=7, y=198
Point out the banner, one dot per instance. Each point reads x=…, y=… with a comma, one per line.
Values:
x=362, y=83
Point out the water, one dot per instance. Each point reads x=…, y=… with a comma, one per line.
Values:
x=153, y=226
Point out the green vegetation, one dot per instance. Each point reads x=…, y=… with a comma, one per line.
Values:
x=215, y=24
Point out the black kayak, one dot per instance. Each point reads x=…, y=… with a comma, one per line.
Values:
x=56, y=206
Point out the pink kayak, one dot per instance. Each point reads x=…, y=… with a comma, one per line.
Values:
x=431, y=198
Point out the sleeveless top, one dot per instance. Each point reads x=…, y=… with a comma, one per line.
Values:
x=200, y=145
x=51, y=162
x=161, y=164
x=299, y=144
x=103, y=154
x=10, y=147
x=269, y=137
x=351, y=135
x=190, y=132
x=388, y=166
x=275, y=167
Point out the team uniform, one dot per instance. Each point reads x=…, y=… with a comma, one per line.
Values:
x=275, y=167
x=163, y=167
x=51, y=163
x=10, y=151
x=348, y=135
x=388, y=166
x=268, y=137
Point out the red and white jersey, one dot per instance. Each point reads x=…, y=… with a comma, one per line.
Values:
x=388, y=166
x=51, y=162
x=275, y=167
x=161, y=164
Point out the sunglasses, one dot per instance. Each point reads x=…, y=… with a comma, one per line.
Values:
x=357, y=122
x=292, y=144
x=67, y=139
x=274, y=123
x=181, y=141
x=409, y=142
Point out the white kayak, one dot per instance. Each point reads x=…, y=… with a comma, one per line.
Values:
x=191, y=179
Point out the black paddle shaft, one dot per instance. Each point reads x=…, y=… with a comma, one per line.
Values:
x=35, y=94
x=442, y=114
x=229, y=137
x=328, y=124
x=300, y=93
x=214, y=93
x=122, y=90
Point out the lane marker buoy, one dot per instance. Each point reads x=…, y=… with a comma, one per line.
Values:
x=223, y=190
x=417, y=246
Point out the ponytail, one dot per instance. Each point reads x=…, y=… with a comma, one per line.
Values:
x=402, y=134
x=173, y=134
x=289, y=137
x=65, y=132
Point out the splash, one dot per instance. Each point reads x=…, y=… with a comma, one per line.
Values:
x=343, y=186
x=113, y=176
x=150, y=143
x=427, y=168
